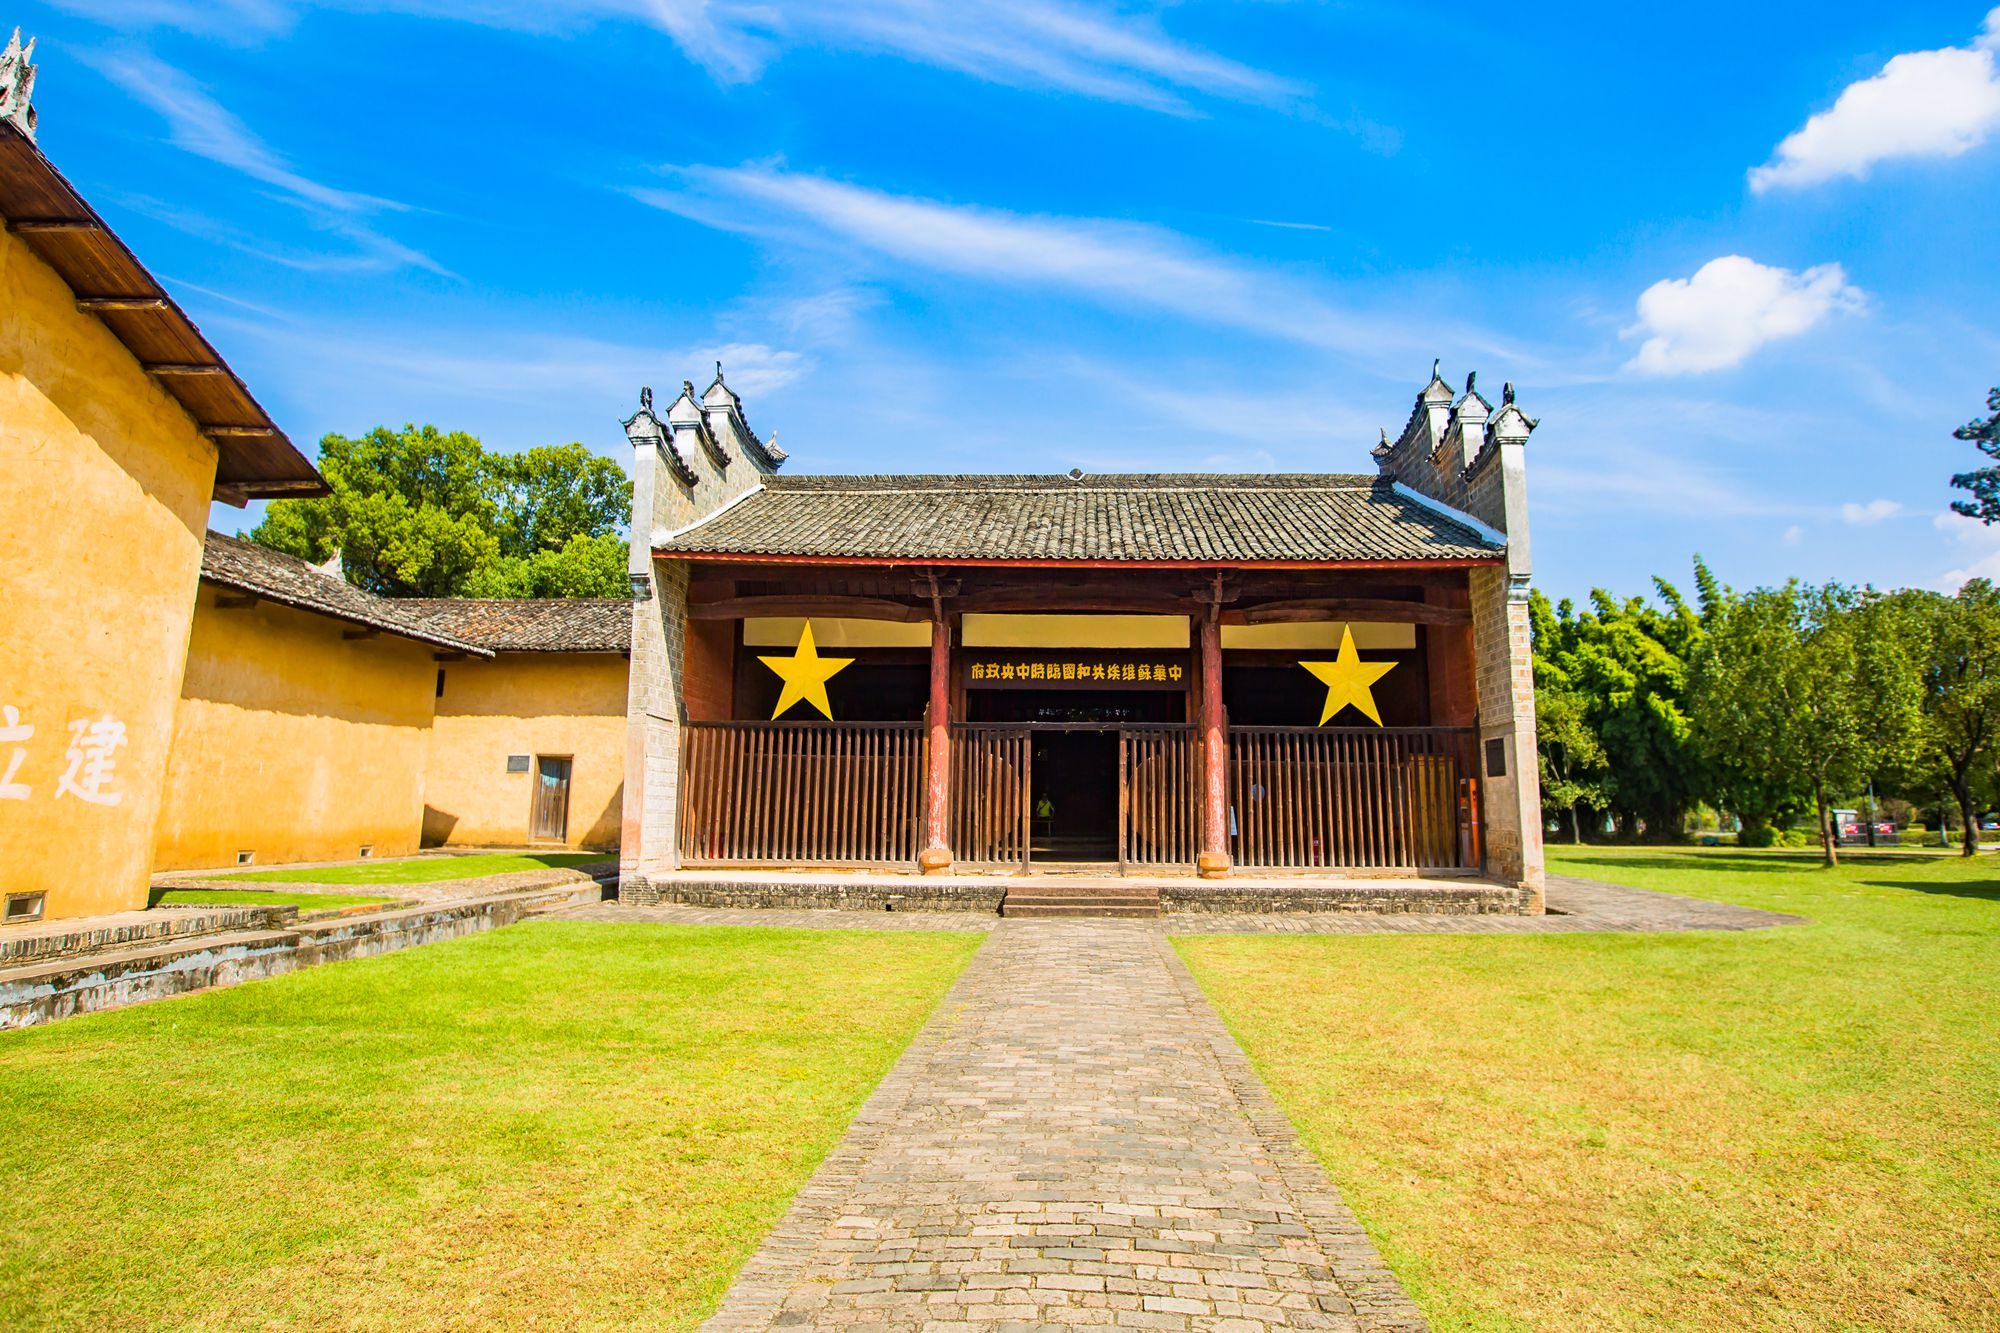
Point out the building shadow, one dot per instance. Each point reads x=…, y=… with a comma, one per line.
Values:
x=1984, y=890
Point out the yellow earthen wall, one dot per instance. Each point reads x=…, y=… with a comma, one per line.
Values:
x=533, y=704
x=104, y=493
x=293, y=742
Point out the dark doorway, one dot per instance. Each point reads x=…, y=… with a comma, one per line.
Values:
x=1075, y=796
x=1073, y=779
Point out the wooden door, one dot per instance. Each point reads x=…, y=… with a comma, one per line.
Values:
x=551, y=813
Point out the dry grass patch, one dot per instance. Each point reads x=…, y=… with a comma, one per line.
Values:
x=1788, y=1129
x=556, y=1125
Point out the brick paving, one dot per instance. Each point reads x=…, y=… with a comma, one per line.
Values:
x=1073, y=1141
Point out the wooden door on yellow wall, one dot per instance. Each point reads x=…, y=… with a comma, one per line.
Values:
x=551, y=813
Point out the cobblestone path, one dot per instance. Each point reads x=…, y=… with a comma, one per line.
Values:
x=1072, y=1141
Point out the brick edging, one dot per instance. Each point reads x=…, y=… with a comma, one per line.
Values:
x=1380, y=1302
x=757, y=1292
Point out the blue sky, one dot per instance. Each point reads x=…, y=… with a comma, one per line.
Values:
x=1740, y=262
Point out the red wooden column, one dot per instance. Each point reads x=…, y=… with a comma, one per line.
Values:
x=936, y=856
x=1213, y=863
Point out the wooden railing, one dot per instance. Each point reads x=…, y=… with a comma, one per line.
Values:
x=812, y=793
x=1350, y=798
x=1160, y=800
x=989, y=793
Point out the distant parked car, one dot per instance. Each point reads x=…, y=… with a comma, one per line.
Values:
x=1851, y=830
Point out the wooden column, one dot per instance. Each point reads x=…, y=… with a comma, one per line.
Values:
x=936, y=856
x=1213, y=863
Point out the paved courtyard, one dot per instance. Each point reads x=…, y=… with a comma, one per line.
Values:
x=1074, y=1140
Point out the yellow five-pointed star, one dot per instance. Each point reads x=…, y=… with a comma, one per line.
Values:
x=805, y=674
x=1347, y=680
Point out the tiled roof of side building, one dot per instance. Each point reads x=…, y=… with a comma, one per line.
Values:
x=289, y=581
x=1226, y=518
x=530, y=625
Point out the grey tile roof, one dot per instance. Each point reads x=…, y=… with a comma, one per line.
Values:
x=1226, y=518
x=530, y=625
x=289, y=581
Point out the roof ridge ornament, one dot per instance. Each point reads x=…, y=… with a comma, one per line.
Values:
x=17, y=85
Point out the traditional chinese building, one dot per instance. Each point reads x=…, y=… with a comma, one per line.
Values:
x=320, y=722
x=119, y=425
x=1312, y=677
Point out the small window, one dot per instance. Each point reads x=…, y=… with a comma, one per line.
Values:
x=245, y=858
x=440, y=693
x=367, y=851
x=24, y=907
x=517, y=763
x=1496, y=758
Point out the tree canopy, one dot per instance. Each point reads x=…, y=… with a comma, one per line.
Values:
x=420, y=512
x=1984, y=483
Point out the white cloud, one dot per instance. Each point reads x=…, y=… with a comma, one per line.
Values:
x=1089, y=50
x=1872, y=512
x=1117, y=263
x=199, y=124
x=1731, y=307
x=1794, y=535
x=1979, y=548
x=1923, y=104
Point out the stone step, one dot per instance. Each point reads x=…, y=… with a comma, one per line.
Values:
x=1077, y=910
x=1106, y=900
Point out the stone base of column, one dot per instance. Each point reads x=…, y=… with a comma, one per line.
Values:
x=1212, y=865
x=934, y=860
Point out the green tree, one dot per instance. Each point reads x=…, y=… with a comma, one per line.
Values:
x=1984, y=483
x=427, y=513
x=1954, y=643
x=1629, y=661
x=1803, y=685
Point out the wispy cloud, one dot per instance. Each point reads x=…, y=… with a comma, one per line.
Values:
x=1978, y=546
x=201, y=125
x=1923, y=104
x=1873, y=512
x=1083, y=49
x=1731, y=307
x=1115, y=263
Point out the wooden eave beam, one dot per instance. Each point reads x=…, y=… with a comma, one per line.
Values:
x=93, y=305
x=235, y=601
x=32, y=226
x=845, y=608
x=1375, y=609
x=182, y=368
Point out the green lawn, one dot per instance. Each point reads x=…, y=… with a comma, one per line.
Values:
x=423, y=869
x=556, y=1125
x=1785, y=1129
x=305, y=902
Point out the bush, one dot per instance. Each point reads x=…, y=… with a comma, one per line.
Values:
x=1797, y=837
x=1762, y=835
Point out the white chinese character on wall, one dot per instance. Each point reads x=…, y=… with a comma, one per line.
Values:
x=12, y=754
x=93, y=742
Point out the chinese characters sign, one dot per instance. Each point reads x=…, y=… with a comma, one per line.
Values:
x=90, y=763
x=1075, y=671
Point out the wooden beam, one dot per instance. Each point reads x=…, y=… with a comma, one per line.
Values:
x=845, y=608
x=366, y=632
x=1303, y=610
x=29, y=226
x=234, y=496
x=1059, y=600
x=236, y=601
x=243, y=432
x=91, y=305
x=181, y=368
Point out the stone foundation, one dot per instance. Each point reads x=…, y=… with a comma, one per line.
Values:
x=158, y=966
x=912, y=894
x=1472, y=897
